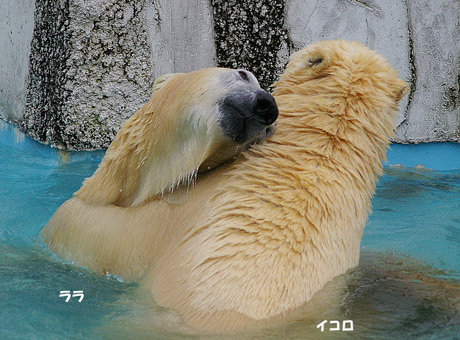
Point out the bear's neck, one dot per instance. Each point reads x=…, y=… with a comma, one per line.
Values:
x=330, y=138
x=325, y=153
x=311, y=183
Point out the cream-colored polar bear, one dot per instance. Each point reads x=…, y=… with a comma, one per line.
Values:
x=257, y=238
x=193, y=122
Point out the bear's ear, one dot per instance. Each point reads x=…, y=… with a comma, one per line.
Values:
x=160, y=81
x=317, y=60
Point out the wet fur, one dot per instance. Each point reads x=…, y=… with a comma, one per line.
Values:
x=258, y=238
x=290, y=216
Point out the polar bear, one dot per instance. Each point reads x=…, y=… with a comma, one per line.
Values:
x=193, y=123
x=203, y=119
x=258, y=237
x=289, y=216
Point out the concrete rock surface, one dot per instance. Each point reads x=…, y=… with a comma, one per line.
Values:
x=73, y=70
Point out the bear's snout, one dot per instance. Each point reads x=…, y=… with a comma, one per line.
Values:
x=244, y=114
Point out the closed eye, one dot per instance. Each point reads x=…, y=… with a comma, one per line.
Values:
x=244, y=75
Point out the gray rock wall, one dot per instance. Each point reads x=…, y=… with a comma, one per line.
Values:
x=89, y=70
x=434, y=110
x=90, y=64
x=180, y=35
x=16, y=28
x=252, y=35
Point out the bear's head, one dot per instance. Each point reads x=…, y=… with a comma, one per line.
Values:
x=345, y=89
x=340, y=64
x=193, y=122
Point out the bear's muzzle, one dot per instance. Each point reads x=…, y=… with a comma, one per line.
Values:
x=245, y=115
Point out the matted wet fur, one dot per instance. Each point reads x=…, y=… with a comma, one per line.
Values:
x=388, y=296
x=258, y=238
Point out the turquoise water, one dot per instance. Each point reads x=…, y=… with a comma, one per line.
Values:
x=435, y=156
x=416, y=216
x=417, y=212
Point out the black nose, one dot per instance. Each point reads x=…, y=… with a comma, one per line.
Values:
x=245, y=114
x=265, y=108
